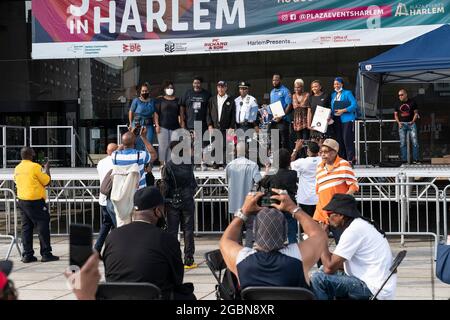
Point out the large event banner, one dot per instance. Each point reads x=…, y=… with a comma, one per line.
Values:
x=101, y=28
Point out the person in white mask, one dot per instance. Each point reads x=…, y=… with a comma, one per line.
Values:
x=169, y=117
x=344, y=110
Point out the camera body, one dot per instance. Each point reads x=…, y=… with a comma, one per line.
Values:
x=137, y=127
x=266, y=201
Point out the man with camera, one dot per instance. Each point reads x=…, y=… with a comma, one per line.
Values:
x=270, y=262
x=31, y=183
x=127, y=161
x=286, y=179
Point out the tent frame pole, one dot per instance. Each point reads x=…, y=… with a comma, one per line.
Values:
x=363, y=101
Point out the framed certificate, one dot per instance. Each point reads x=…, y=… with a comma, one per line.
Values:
x=277, y=109
x=320, y=119
x=252, y=114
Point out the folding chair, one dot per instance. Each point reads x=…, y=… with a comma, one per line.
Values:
x=226, y=287
x=277, y=293
x=393, y=269
x=127, y=291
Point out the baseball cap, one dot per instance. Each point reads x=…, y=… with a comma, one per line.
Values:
x=147, y=198
x=221, y=83
x=331, y=143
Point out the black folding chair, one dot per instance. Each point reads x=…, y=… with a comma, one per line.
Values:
x=277, y=293
x=127, y=291
x=226, y=287
x=393, y=269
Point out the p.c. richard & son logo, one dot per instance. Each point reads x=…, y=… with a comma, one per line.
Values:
x=216, y=45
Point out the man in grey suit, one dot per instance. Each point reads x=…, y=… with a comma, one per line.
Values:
x=221, y=113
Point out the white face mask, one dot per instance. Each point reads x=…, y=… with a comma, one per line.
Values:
x=338, y=90
x=169, y=91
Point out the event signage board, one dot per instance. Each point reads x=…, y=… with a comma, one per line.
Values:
x=108, y=28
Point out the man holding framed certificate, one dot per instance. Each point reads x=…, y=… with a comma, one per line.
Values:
x=281, y=94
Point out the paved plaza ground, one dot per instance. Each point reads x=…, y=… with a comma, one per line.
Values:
x=45, y=281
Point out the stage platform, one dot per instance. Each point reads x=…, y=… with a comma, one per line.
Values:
x=411, y=171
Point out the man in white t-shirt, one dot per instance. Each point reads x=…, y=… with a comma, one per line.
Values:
x=108, y=214
x=306, y=172
x=364, y=252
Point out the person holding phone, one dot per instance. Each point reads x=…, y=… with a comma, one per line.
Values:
x=31, y=182
x=344, y=109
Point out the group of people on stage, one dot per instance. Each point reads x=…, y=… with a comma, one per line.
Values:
x=168, y=112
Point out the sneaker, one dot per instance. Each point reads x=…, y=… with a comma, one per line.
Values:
x=189, y=263
x=29, y=259
x=49, y=258
x=416, y=162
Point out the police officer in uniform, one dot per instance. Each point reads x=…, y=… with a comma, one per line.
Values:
x=246, y=108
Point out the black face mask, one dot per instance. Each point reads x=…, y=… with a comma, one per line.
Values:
x=145, y=95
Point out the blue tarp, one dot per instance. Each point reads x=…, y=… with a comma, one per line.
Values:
x=423, y=59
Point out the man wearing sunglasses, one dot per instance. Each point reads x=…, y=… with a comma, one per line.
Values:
x=406, y=115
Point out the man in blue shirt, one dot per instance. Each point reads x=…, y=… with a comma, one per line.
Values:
x=128, y=154
x=282, y=94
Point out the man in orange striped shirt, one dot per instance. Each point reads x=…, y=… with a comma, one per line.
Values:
x=334, y=175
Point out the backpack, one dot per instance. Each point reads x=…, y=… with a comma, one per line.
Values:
x=176, y=201
x=162, y=184
x=125, y=182
x=106, y=186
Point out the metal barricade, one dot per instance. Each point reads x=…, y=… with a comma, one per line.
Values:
x=5, y=140
x=445, y=196
x=72, y=203
x=403, y=208
x=8, y=200
x=56, y=145
x=211, y=207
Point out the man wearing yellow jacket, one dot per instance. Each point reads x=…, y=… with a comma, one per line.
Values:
x=31, y=183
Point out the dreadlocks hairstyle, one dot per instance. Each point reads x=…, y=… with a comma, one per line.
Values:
x=349, y=220
x=375, y=225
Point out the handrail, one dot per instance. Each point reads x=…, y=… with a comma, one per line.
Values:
x=4, y=144
x=71, y=145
